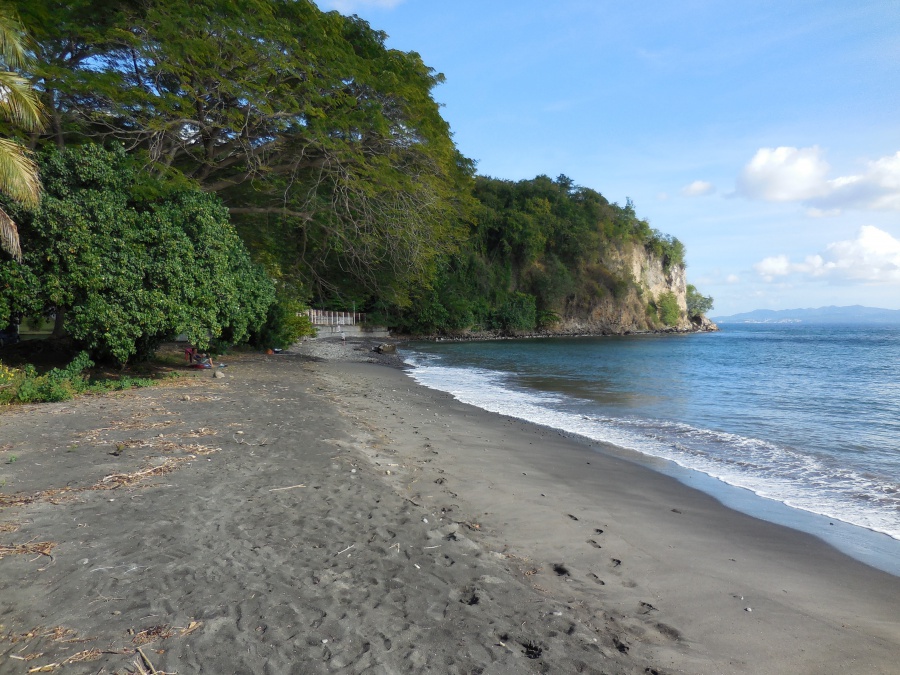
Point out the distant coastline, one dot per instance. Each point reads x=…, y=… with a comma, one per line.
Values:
x=855, y=314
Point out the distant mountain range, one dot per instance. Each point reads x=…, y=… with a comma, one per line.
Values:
x=854, y=314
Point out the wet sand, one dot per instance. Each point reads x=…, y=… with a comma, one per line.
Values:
x=304, y=516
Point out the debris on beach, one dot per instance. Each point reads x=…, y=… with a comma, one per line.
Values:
x=152, y=634
x=118, y=480
x=28, y=548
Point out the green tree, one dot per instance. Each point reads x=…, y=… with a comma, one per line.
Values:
x=126, y=261
x=697, y=303
x=20, y=107
x=303, y=122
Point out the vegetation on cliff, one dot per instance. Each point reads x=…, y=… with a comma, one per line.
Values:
x=184, y=140
x=537, y=249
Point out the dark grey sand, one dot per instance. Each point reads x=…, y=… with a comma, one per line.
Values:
x=332, y=516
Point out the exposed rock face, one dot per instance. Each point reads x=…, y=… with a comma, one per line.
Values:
x=701, y=323
x=631, y=281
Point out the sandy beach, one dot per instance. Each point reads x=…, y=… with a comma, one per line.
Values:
x=319, y=512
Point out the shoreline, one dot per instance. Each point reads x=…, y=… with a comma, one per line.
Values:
x=873, y=546
x=716, y=566
x=335, y=516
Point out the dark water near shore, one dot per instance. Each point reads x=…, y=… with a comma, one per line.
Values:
x=808, y=416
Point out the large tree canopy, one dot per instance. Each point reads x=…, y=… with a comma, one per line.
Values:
x=307, y=126
x=125, y=261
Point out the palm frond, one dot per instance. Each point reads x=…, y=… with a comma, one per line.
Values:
x=19, y=103
x=12, y=39
x=9, y=236
x=19, y=177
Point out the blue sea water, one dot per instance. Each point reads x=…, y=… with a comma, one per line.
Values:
x=808, y=416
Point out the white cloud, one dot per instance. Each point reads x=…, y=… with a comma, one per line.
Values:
x=874, y=256
x=787, y=174
x=698, y=188
x=733, y=279
x=351, y=6
x=814, y=212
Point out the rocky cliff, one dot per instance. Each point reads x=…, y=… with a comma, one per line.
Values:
x=632, y=290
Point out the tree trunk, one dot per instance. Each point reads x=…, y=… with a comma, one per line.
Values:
x=59, y=328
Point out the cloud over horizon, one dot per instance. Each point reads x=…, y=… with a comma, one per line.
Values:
x=874, y=257
x=788, y=174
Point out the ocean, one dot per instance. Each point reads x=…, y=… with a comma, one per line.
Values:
x=804, y=418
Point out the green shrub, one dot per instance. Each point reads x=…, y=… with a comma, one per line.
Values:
x=126, y=261
x=285, y=324
x=25, y=385
x=697, y=303
x=668, y=309
x=518, y=313
x=58, y=384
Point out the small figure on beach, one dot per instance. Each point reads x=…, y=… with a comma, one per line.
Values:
x=343, y=338
x=198, y=359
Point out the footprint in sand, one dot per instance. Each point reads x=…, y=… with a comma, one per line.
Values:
x=596, y=579
x=594, y=543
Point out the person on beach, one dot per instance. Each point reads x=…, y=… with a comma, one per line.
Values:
x=198, y=359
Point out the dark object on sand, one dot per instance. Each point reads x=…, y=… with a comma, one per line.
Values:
x=10, y=336
x=386, y=348
x=532, y=650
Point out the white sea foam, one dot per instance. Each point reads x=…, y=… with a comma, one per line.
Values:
x=798, y=479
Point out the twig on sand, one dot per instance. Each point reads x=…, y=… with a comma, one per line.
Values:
x=161, y=632
x=128, y=479
x=292, y=487
x=41, y=547
x=143, y=664
x=346, y=549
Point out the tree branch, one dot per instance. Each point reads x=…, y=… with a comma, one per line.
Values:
x=277, y=210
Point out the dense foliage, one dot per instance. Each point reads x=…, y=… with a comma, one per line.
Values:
x=125, y=261
x=667, y=309
x=323, y=149
x=535, y=248
x=26, y=385
x=326, y=146
x=697, y=303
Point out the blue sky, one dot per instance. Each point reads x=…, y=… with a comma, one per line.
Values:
x=764, y=135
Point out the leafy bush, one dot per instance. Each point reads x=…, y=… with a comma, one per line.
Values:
x=668, y=309
x=58, y=384
x=284, y=325
x=517, y=313
x=128, y=261
x=25, y=385
x=697, y=303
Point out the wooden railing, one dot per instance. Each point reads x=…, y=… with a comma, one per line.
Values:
x=324, y=317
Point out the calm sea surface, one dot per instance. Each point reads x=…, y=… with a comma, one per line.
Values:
x=808, y=416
